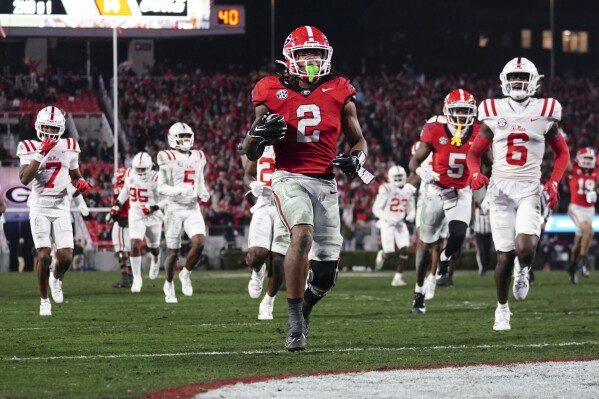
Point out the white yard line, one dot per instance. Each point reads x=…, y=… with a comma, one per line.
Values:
x=264, y=352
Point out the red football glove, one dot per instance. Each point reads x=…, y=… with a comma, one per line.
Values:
x=478, y=180
x=47, y=146
x=551, y=187
x=82, y=186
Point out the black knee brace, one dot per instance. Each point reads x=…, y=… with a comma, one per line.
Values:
x=322, y=276
x=457, y=233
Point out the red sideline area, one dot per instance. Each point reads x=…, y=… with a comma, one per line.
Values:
x=189, y=391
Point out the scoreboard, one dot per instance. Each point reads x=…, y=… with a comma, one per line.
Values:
x=141, y=18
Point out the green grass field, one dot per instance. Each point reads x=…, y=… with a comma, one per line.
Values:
x=109, y=343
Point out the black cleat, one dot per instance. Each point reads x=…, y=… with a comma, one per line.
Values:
x=445, y=280
x=572, y=274
x=418, y=306
x=296, y=341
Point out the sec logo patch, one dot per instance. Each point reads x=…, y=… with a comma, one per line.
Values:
x=443, y=140
x=282, y=94
x=502, y=123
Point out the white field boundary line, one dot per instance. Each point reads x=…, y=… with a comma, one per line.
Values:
x=278, y=352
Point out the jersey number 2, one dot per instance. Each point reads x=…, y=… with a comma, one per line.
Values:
x=305, y=122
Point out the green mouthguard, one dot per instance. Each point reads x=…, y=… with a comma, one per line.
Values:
x=311, y=69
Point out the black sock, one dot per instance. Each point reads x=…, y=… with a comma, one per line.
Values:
x=309, y=301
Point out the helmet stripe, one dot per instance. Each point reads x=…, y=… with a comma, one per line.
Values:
x=310, y=33
x=52, y=114
x=462, y=95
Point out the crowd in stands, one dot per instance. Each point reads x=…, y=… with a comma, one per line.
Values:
x=392, y=109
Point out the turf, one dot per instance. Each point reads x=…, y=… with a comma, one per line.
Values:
x=108, y=343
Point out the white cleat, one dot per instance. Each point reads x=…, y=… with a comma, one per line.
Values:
x=397, y=281
x=380, y=260
x=185, y=278
x=502, y=319
x=56, y=288
x=154, y=270
x=521, y=281
x=430, y=284
x=255, y=284
x=136, y=285
x=169, y=292
x=45, y=307
x=265, y=310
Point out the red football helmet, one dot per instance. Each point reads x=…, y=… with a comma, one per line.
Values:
x=459, y=108
x=586, y=158
x=304, y=38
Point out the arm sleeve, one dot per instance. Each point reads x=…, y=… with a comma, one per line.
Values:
x=562, y=157
x=476, y=152
x=378, y=208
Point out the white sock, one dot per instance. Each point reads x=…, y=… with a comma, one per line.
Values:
x=45, y=300
x=443, y=257
x=504, y=306
x=398, y=274
x=184, y=272
x=419, y=289
x=136, y=266
x=154, y=261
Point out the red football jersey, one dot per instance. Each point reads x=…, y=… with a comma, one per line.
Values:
x=124, y=212
x=449, y=160
x=582, y=182
x=313, y=121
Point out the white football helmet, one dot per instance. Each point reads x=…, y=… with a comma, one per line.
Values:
x=142, y=164
x=397, y=176
x=175, y=141
x=520, y=89
x=586, y=158
x=52, y=119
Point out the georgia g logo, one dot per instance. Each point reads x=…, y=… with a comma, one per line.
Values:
x=18, y=195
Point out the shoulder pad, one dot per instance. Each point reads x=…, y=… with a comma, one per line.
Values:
x=164, y=157
x=27, y=147
x=261, y=89
x=487, y=109
x=551, y=109
x=383, y=189
x=437, y=119
x=69, y=144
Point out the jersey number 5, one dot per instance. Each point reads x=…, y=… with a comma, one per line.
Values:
x=516, y=149
x=305, y=122
x=456, y=165
x=188, y=176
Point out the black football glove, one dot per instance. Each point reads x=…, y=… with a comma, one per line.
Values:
x=269, y=129
x=349, y=164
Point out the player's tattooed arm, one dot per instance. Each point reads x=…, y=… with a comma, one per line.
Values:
x=27, y=172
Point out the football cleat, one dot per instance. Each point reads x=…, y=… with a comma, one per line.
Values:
x=185, y=278
x=169, y=292
x=255, y=284
x=56, y=288
x=154, y=270
x=430, y=284
x=418, y=306
x=584, y=270
x=296, y=337
x=397, y=281
x=380, y=260
x=45, y=307
x=502, y=319
x=136, y=286
x=521, y=281
x=572, y=274
x=265, y=310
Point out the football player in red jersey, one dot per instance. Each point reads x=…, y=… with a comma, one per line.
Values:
x=303, y=113
x=119, y=218
x=449, y=196
x=583, y=177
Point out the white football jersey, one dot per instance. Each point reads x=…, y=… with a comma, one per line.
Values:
x=142, y=192
x=519, y=135
x=49, y=195
x=393, y=203
x=264, y=169
x=183, y=169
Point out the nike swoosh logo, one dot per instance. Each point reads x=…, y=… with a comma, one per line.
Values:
x=326, y=89
x=534, y=119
